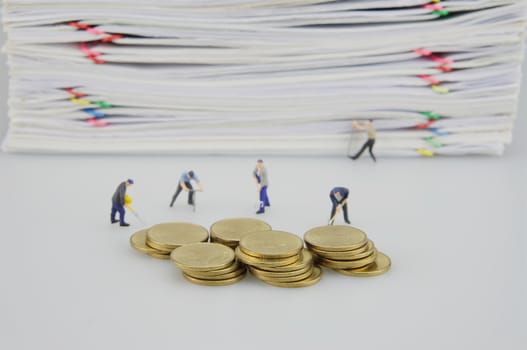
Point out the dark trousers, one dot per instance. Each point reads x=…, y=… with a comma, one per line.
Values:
x=368, y=144
x=178, y=191
x=117, y=208
x=335, y=203
x=264, y=200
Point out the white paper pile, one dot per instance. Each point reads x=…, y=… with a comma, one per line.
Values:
x=263, y=76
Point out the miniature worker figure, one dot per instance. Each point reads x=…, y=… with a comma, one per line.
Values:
x=370, y=129
x=186, y=185
x=262, y=182
x=118, y=202
x=339, y=199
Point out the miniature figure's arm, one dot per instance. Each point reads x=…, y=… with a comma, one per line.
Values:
x=122, y=193
x=357, y=125
x=200, y=186
x=184, y=187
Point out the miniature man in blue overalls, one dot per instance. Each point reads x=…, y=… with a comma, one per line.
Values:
x=184, y=184
x=339, y=199
x=260, y=175
x=118, y=202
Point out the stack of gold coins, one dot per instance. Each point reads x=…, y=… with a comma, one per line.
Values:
x=210, y=264
x=278, y=258
x=230, y=231
x=347, y=250
x=138, y=242
x=161, y=239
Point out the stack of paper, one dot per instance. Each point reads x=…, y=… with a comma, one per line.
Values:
x=263, y=76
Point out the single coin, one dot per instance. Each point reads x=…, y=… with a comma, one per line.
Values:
x=232, y=267
x=271, y=244
x=281, y=278
x=278, y=275
x=159, y=255
x=263, y=262
x=350, y=264
x=214, y=283
x=233, y=230
x=138, y=242
x=170, y=235
x=215, y=277
x=347, y=255
x=381, y=265
x=306, y=259
x=335, y=238
x=202, y=256
x=311, y=280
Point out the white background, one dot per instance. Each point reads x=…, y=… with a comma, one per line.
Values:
x=454, y=228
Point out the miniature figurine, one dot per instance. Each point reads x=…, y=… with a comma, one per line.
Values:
x=186, y=185
x=370, y=129
x=262, y=182
x=118, y=202
x=339, y=199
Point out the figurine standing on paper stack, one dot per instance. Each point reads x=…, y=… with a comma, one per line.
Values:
x=262, y=182
x=339, y=199
x=118, y=202
x=370, y=129
x=186, y=185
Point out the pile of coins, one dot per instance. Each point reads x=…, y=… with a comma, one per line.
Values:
x=161, y=239
x=275, y=257
x=278, y=258
x=229, y=232
x=210, y=264
x=347, y=250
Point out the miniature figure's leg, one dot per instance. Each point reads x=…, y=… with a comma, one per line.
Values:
x=190, y=193
x=358, y=154
x=334, y=204
x=120, y=209
x=370, y=148
x=345, y=213
x=264, y=198
x=112, y=215
x=178, y=191
x=261, y=209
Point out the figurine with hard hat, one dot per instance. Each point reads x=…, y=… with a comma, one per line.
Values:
x=185, y=184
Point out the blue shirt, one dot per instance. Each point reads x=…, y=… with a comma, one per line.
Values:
x=185, y=178
x=342, y=193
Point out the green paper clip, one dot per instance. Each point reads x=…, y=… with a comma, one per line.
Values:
x=431, y=115
x=441, y=13
x=102, y=104
x=433, y=142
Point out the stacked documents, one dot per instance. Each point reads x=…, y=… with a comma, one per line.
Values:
x=263, y=76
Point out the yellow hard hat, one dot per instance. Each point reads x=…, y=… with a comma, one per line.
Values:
x=127, y=199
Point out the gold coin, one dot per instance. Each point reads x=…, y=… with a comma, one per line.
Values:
x=234, y=266
x=170, y=235
x=279, y=277
x=159, y=255
x=347, y=255
x=335, y=238
x=273, y=274
x=314, y=278
x=381, y=265
x=251, y=260
x=349, y=264
x=271, y=244
x=202, y=256
x=233, y=230
x=306, y=259
x=138, y=242
x=214, y=283
x=215, y=277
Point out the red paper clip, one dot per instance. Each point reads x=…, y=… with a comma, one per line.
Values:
x=98, y=122
x=425, y=125
x=74, y=93
x=429, y=79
